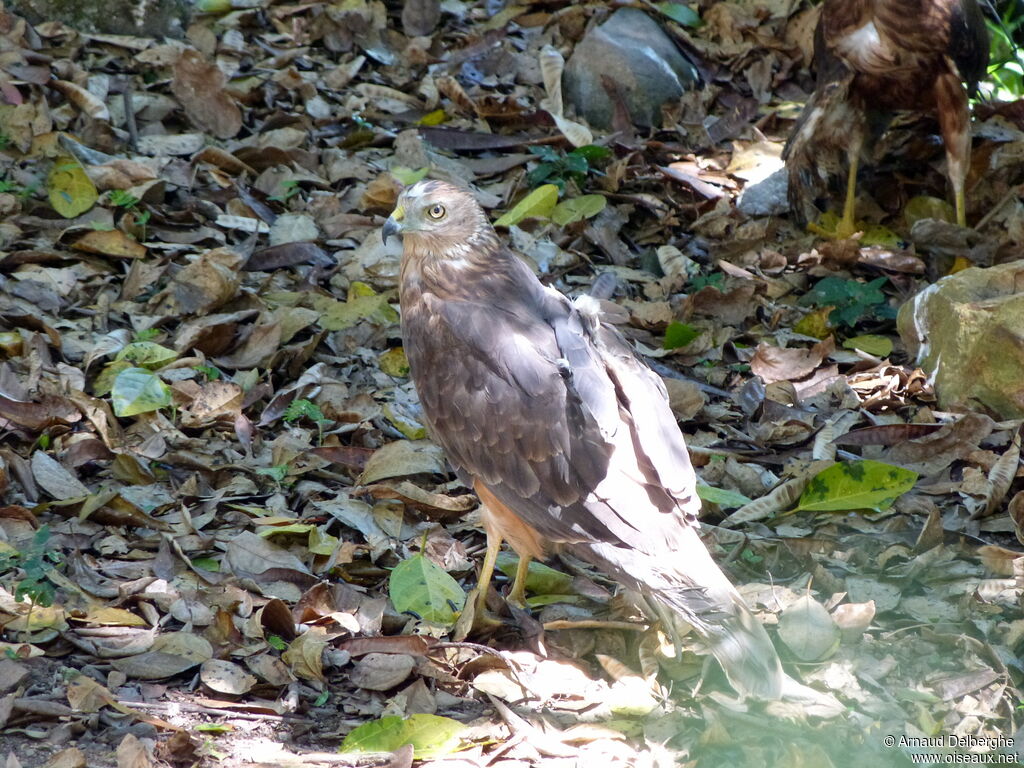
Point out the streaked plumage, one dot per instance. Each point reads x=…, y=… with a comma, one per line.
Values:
x=564, y=432
x=874, y=57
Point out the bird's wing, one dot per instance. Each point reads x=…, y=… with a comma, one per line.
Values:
x=551, y=410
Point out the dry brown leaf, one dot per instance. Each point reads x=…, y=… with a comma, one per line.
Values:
x=199, y=85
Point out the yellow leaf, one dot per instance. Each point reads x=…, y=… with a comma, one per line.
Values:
x=815, y=323
x=394, y=362
x=111, y=242
x=436, y=117
x=111, y=617
x=539, y=204
x=71, y=192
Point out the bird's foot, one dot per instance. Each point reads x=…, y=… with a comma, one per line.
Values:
x=832, y=227
x=475, y=618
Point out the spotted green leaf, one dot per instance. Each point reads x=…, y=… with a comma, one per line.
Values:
x=853, y=485
x=424, y=589
x=430, y=735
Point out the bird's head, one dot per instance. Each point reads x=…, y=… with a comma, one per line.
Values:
x=439, y=217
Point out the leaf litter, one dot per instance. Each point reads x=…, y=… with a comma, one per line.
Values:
x=224, y=539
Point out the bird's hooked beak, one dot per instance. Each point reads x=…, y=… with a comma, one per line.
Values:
x=394, y=224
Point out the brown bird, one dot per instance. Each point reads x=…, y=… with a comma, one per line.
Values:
x=874, y=57
x=564, y=433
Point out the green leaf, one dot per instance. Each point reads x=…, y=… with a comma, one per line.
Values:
x=925, y=207
x=407, y=176
x=537, y=205
x=430, y=735
x=301, y=408
x=681, y=14
x=138, y=390
x=71, y=192
x=876, y=234
x=851, y=300
x=577, y=209
x=277, y=473
x=337, y=315
x=721, y=497
x=540, y=579
x=420, y=587
x=540, y=174
x=105, y=380
x=851, y=485
x=146, y=354
x=679, y=335
x=873, y=344
x=591, y=152
x=321, y=543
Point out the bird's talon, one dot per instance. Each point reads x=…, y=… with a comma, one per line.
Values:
x=843, y=230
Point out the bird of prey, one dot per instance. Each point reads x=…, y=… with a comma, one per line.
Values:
x=563, y=432
x=874, y=57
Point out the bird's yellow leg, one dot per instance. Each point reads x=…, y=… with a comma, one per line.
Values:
x=517, y=595
x=961, y=206
x=483, y=583
x=847, y=225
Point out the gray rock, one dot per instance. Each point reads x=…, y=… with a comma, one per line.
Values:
x=766, y=197
x=967, y=333
x=634, y=51
x=146, y=18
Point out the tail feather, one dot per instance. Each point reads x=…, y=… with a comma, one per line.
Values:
x=689, y=583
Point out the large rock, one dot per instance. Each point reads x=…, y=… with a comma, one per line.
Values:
x=635, y=53
x=967, y=333
x=146, y=18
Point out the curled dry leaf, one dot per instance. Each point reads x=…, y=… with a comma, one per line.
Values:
x=781, y=498
x=1016, y=511
x=1001, y=476
x=853, y=618
x=775, y=364
x=83, y=100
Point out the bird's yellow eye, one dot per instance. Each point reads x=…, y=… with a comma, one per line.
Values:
x=436, y=211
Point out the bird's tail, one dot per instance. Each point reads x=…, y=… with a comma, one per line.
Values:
x=689, y=583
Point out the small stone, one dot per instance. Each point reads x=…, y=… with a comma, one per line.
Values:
x=633, y=51
x=766, y=197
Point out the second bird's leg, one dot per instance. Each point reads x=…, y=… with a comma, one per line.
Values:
x=847, y=225
x=517, y=594
x=955, y=123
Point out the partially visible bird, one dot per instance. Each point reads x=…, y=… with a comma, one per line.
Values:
x=564, y=433
x=875, y=57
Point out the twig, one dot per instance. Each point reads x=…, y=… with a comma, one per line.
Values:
x=129, y=117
